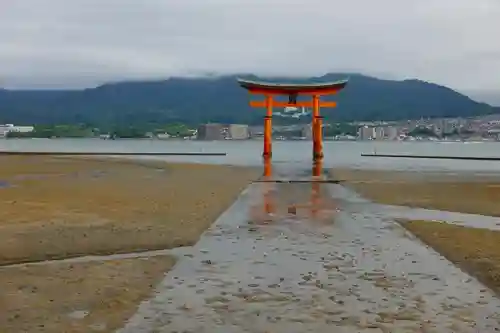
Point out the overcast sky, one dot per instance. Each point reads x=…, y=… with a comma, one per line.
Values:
x=75, y=43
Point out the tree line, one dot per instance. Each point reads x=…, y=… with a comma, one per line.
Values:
x=115, y=131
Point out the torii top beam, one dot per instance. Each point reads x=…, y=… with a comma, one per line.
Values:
x=261, y=87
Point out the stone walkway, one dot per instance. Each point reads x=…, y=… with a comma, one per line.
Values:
x=347, y=269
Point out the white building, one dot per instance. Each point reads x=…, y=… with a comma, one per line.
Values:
x=390, y=133
x=307, y=132
x=4, y=129
x=163, y=136
x=7, y=128
x=366, y=133
x=378, y=133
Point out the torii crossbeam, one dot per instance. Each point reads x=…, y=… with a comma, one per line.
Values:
x=292, y=90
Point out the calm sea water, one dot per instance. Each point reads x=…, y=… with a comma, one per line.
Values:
x=337, y=154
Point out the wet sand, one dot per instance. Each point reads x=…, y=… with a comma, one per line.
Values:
x=60, y=208
x=63, y=207
x=76, y=297
x=455, y=192
x=475, y=250
x=345, y=269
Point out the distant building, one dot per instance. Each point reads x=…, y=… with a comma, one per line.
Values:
x=210, y=132
x=163, y=136
x=378, y=133
x=391, y=133
x=366, y=133
x=8, y=128
x=239, y=132
x=307, y=132
x=4, y=129
x=256, y=131
x=386, y=133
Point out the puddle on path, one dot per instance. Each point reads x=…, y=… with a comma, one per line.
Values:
x=356, y=203
x=468, y=220
x=177, y=252
x=4, y=184
x=346, y=271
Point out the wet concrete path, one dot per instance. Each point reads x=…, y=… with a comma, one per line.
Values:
x=346, y=268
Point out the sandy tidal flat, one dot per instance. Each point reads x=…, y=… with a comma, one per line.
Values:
x=76, y=297
x=62, y=207
x=55, y=208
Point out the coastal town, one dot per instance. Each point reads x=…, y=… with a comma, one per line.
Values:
x=484, y=128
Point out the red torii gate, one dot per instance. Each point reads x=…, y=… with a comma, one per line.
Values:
x=315, y=90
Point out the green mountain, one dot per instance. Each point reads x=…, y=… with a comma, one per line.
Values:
x=220, y=99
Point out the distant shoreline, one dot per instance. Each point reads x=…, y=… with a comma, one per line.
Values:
x=252, y=139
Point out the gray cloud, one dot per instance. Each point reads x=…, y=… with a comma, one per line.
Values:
x=47, y=43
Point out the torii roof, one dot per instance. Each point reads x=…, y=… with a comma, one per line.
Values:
x=292, y=88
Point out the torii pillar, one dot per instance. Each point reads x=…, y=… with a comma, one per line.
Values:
x=315, y=90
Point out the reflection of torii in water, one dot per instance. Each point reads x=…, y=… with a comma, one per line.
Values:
x=315, y=203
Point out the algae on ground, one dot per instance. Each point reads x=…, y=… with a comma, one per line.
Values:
x=77, y=297
x=63, y=207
